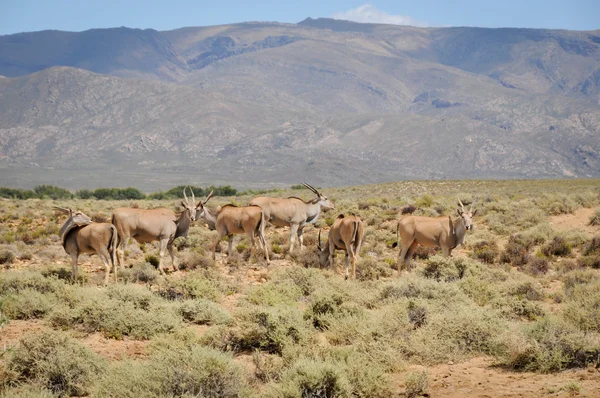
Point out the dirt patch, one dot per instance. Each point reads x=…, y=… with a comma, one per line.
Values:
x=579, y=220
x=11, y=332
x=115, y=350
x=479, y=377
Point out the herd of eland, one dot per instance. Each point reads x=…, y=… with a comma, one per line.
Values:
x=80, y=235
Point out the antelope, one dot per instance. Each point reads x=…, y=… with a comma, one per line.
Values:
x=151, y=225
x=230, y=220
x=293, y=212
x=80, y=235
x=346, y=234
x=432, y=231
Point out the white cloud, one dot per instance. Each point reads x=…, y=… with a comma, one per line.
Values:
x=370, y=14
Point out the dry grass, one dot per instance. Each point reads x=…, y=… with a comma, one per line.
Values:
x=306, y=331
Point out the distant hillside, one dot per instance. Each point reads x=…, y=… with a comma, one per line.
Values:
x=334, y=102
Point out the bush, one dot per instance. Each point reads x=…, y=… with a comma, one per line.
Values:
x=444, y=268
x=369, y=269
x=310, y=378
x=52, y=192
x=416, y=384
x=7, y=256
x=582, y=306
x=548, y=345
x=516, y=250
x=486, y=252
x=176, y=370
x=595, y=218
x=27, y=304
x=203, y=312
x=143, y=272
x=208, y=284
x=270, y=329
x=590, y=261
x=558, y=246
x=273, y=293
x=592, y=247
x=537, y=266
x=55, y=361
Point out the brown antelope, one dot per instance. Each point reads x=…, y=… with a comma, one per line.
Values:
x=151, y=225
x=80, y=235
x=346, y=234
x=231, y=220
x=439, y=231
x=293, y=212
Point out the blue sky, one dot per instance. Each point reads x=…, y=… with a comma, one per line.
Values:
x=77, y=15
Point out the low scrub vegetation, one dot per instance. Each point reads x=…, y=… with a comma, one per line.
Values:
x=519, y=290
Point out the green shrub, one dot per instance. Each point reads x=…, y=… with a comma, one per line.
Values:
x=55, y=361
x=52, y=192
x=548, y=345
x=143, y=272
x=27, y=304
x=416, y=384
x=28, y=391
x=274, y=293
x=595, y=218
x=590, y=261
x=369, y=269
x=456, y=333
x=202, y=283
x=175, y=371
x=270, y=329
x=444, y=268
x=517, y=249
x=203, y=312
x=537, y=266
x=558, y=246
x=582, y=306
x=152, y=259
x=486, y=251
x=310, y=378
x=592, y=247
x=7, y=256
x=16, y=281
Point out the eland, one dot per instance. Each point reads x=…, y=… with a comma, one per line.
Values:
x=151, y=225
x=347, y=234
x=293, y=212
x=230, y=220
x=439, y=231
x=80, y=235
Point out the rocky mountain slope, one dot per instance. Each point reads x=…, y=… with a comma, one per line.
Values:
x=332, y=102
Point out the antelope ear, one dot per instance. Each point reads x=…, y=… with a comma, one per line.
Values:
x=199, y=204
x=183, y=204
x=459, y=211
x=474, y=212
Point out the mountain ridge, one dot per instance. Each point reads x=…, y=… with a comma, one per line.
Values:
x=272, y=103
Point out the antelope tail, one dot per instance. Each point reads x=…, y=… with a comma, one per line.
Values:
x=112, y=245
x=395, y=244
x=355, y=234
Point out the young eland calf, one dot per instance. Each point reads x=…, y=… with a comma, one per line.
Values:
x=347, y=234
x=80, y=235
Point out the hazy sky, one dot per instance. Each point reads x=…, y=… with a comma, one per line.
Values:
x=77, y=15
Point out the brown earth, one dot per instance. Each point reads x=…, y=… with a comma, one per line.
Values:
x=579, y=220
x=479, y=377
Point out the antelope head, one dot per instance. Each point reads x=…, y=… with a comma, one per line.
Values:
x=200, y=206
x=76, y=217
x=323, y=253
x=323, y=201
x=467, y=216
x=189, y=205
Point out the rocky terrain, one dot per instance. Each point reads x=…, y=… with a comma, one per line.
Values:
x=262, y=104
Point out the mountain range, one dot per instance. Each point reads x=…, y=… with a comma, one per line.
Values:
x=270, y=104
